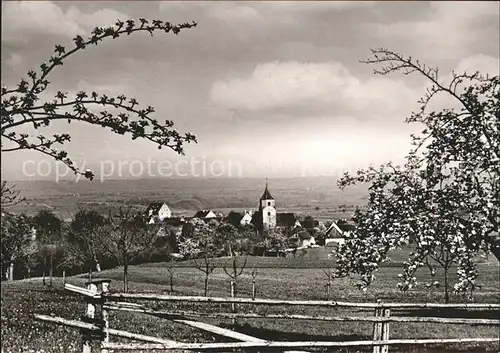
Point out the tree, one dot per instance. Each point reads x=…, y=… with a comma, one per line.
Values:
x=49, y=238
x=273, y=239
x=16, y=237
x=319, y=233
x=445, y=199
x=10, y=195
x=22, y=107
x=203, y=247
x=229, y=235
x=84, y=234
x=308, y=222
x=236, y=247
x=125, y=236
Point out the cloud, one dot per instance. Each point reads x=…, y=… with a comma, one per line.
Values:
x=485, y=64
x=14, y=60
x=449, y=31
x=103, y=17
x=29, y=17
x=235, y=11
x=238, y=13
x=218, y=10
x=319, y=5
x=311, y=88
x=24, y=18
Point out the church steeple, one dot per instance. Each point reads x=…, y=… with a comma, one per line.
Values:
x=267, y=209
x=266, y=195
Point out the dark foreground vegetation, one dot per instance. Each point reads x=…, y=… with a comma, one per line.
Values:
x=21, y=299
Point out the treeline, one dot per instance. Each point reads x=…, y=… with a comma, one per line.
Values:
x=45, y=245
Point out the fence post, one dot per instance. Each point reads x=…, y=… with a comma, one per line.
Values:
x=105, y=314
x=233, y=305
x=254, y=275
x=90, y=313
x=328, y=285
x=64, y=277
x=377, y=329
x=385, y=330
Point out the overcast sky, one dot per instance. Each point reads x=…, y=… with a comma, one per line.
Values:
x=273, y=88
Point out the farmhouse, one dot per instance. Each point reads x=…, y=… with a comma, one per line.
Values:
x=157, y=211
x=239, y=219
x=205, y=214
x=301, y=239
x=336, y=233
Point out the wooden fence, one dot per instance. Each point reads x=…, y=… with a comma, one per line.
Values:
x=95, y=323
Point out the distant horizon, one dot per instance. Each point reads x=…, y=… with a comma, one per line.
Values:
x=175, y=178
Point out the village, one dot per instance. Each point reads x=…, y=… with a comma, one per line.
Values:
x=300, y=232
x=136, y=138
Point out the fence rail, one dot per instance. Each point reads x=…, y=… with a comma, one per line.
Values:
x=306, y=344
x=181, y=314
x=282, y=302
x=97, y=328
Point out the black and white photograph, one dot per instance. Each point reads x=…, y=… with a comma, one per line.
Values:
x=250, y=176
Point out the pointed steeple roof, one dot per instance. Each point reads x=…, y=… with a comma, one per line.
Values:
x=266, y=195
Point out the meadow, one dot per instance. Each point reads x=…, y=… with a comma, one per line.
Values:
x=299, y=277
x=21, y=299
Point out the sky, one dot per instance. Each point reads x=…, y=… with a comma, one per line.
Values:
x=270, y=89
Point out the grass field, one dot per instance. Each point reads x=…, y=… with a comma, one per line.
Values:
x=21, y=299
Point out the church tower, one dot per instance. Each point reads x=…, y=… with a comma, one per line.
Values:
x=267, y=209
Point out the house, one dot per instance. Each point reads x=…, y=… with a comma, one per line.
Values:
x=336, y=233
x=247, y=218
x=288, y=223
x=205, y=214
x=239, y=219
x=174, y=221
x=302, y=239
x=234, y=218
x=157, y=211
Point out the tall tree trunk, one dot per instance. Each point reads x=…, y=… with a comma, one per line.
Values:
x=235, y=277
x=44, y=269
x=446, y=292
x=51, y=270
x=206, y=283
x=11, y=271
x=125, y=276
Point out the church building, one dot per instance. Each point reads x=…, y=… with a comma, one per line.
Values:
x=267, y=218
